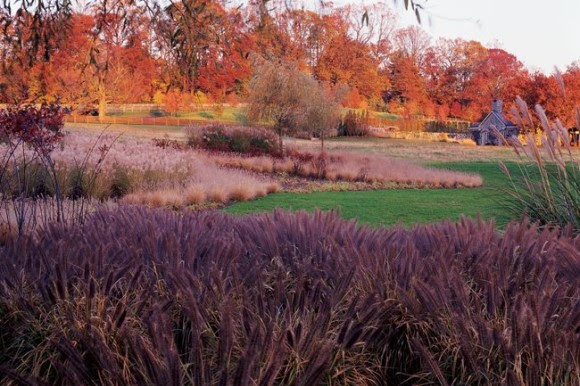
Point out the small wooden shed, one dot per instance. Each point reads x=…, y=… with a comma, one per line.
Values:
x=482, y=131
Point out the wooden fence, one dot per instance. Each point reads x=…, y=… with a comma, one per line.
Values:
x=151, y=121
x=407, y=125
x=157, y=108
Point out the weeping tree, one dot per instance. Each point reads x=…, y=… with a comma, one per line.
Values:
x=278, y=93
x=323, y=111
x=292, y=100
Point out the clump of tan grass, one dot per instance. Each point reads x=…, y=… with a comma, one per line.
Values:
x=218, y=195
x=547, y=187
x=466, y=142
x=272, y=188
x=241, y=193
x=195, y=195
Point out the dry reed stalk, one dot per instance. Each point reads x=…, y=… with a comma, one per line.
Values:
x=547, y=187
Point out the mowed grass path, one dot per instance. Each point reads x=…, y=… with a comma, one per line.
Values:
x=405, y=206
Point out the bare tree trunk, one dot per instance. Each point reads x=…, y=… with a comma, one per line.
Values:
x=279, y=131
x=102, y=101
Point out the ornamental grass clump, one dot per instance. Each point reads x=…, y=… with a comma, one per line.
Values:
x=547, y=187
x=142, y=296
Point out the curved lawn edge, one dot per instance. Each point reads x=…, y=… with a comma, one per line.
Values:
x=404, y=206
x=385, y=207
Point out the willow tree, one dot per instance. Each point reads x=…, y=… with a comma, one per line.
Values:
x=292, y=100
x=278, y=94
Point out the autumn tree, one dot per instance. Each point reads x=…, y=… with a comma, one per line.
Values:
x=226, y=68
x=449, y=70
x=117, y=61
x=322, y=110
x=264, y=16
x=498, y=78
x=307, y=35
x=29, y=36
x=412, y=43
x=408, y=91
x=349, y=62
x=557, y=93
x=292, y=99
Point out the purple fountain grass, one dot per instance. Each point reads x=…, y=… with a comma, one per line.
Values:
x=140, y=296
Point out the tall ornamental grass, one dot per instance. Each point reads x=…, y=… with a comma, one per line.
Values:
x=151, y=297
x=547, y=187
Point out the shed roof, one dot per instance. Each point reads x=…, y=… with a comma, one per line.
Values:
x=499, y=116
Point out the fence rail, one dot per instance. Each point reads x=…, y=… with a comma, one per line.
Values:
x=157, y=108
x=151, y=121
x=409, y=125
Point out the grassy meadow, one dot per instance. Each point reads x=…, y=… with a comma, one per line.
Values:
x=225, y=114
x=390, y=206
x=285, y=193
x=382, y=261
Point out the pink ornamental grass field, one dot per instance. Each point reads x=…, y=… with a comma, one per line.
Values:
x=155, y=176
x=352, y=166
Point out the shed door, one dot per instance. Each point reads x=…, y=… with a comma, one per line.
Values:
x=484, y=137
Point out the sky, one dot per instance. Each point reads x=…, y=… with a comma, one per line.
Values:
x=541, y=33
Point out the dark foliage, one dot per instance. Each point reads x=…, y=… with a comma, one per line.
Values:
x=156, y=297
x=166, y=143
x=354, y=124
x=447, y=127
x=243, y=140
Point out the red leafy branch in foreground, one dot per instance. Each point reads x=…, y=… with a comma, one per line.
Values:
x=37, y=126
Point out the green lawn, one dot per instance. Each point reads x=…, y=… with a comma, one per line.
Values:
x=405, y=206
x=229, y=114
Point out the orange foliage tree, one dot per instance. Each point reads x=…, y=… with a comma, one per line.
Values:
x=122, y=52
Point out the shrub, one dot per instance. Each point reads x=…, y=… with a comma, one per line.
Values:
x=165, y=143
x=38, y=128
x=447, y=127
x=215, y=138
x=42, y=184
x=140, y=296
x=240, y=142
x=77, y=183
x=28, y=179
x=243, y=140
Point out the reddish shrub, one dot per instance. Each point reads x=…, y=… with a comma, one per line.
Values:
x=243, y=140
x=37, y=126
